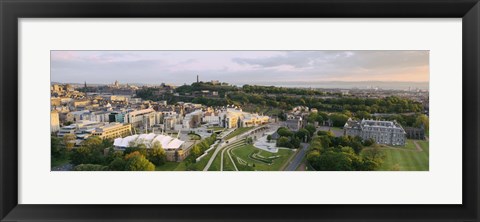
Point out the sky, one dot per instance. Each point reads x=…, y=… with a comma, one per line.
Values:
x=238, y=67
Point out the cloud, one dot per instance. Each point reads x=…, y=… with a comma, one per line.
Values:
x=340, y=59
x=180, y=67
x=297, y=60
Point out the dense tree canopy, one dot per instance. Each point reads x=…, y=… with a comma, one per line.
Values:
x=90, y=167
x=291, y=139
x=91, y=151
x=345, y=153
x=69, y=141
x=285, y=99
x=56, y=147
x=138, y=162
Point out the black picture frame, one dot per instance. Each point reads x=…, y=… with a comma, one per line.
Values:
x=12, y=10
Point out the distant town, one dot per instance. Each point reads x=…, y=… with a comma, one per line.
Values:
x=216, y=126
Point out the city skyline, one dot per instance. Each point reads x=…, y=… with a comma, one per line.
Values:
x=239, y=67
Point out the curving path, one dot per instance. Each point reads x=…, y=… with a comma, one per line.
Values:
x=230, y=141
x=419, y=148
x=210, y=161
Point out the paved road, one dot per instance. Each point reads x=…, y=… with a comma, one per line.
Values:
x=297, y=159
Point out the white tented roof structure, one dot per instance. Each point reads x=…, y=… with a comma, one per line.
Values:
x=174, y=144
x=164, y=140
x=167, y=142
x=124, y=142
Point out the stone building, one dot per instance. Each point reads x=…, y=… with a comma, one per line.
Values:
x=383, y=132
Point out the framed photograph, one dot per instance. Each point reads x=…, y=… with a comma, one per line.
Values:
x=225, y=110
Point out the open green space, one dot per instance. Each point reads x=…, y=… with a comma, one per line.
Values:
x=406, y=159
x=336, y=128
x=409, y=145
x=227, y=163
x=194, y=136
x=203, y=162
x=215, y=128
x=260, y=158
x=216, y=163
x=172, y=166
x=238, y=131
x=424, y=145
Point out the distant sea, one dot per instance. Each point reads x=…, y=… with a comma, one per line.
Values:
x=349, y=85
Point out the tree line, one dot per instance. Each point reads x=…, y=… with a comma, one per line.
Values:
x=285, y=98
x=95, y=154
x=345, y=153
x=291, y=139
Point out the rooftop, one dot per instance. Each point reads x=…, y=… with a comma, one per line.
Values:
x=167, y=142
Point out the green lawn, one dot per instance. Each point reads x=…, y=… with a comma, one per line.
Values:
x=216, y=163
x=244, y=153
x=172, y=166
x=215, y=128
x=203, y=162
x=227, y=163
x=336, y=128
x=407, y=159
x=238, y=132
x=194, y=136
x=424, y=145
x=410, y=145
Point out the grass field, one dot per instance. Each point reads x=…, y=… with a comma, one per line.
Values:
x=238, y=132
x=215, y=128
x=227, y=163
x=194, y=136
x=407, y=159
x=171, y=166
x=203, y=162
x=245, y=151
x=410, y=145
x=216, y=163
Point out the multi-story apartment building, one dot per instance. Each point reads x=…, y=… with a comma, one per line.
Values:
x=383, y=132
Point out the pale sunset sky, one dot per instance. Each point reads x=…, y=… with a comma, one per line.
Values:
x=238, y=67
